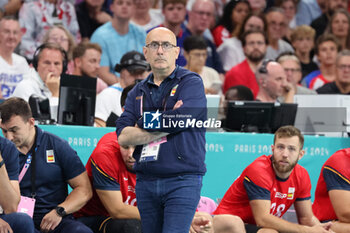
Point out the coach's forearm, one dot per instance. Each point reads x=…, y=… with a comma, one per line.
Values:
x=135, y=136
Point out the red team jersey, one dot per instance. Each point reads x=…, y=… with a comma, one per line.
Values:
x=338, y=164
x=108, y=161
x=259, y=181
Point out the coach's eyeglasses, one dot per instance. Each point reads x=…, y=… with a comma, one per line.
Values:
x=165, y=45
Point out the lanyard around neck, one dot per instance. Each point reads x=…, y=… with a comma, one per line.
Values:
x=30, y=158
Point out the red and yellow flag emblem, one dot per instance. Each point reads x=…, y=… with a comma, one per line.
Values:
x=50, y=157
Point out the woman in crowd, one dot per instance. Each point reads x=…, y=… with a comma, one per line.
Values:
x=258, y=6
x=290, y=9
x=234, y=13
x=60, y=35
x=339, y=26
x=231, y=51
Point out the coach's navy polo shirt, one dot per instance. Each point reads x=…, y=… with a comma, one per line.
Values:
x=56, y=163
x=10, y=153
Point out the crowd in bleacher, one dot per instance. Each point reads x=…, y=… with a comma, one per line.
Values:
x=209, y=34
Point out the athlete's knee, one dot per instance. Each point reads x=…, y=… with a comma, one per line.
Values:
x=23, y=219
x=21, y=222
x=226, y=223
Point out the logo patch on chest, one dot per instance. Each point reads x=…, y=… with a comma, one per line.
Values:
x=173, y=91
x=50, y=157
x=290, y=193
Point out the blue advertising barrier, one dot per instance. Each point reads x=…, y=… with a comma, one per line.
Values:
x=227, y=153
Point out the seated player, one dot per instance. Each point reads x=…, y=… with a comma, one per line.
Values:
x=332, y=196
x=267, y=188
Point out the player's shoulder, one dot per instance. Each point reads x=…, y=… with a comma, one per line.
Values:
x=260, y=168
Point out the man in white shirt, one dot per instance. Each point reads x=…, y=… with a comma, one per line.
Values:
x=276, y=30
x=50, y=62
x=13, y=68
x=132, y=67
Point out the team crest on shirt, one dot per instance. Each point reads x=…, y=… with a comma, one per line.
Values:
x=173, y=91
x=50, y=157
x=290, y=195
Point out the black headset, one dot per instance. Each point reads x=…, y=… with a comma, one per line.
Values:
x=49, y=46
x=263, y=68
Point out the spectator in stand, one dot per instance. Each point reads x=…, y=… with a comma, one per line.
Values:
x=290, y=8
x=239, y=92
x=145, y=16
x=13, y=68
x=341, y=84
x=254, y=46
x=276, y=29
x=292, y=67
x=320, y=23
x=235, y=12
x=116, y=38
x=9, y=7
x=61, y=36
x=308, y=10
x=272, y=81
x=327, y=48
x=132, y=68
x=196, y=53
x=339, y=26
x=231, y=50
x=199, y=19
x=302, y=39
x=87, y=58
x=258, y=6
x=49, y=63
x=174, y=12
x=91, y=14
x=36, y=17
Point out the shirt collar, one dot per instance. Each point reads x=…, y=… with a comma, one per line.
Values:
x=171, y=76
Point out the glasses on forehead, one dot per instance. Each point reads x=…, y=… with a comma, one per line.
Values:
x=154, y=45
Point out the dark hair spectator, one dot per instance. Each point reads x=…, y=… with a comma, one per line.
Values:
x=246, y=25
x=324, y=38
x=245, y=34
x=234, y=13
x=125, y=94
x=239, y=92
x=194, y=42
x=81, y=48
